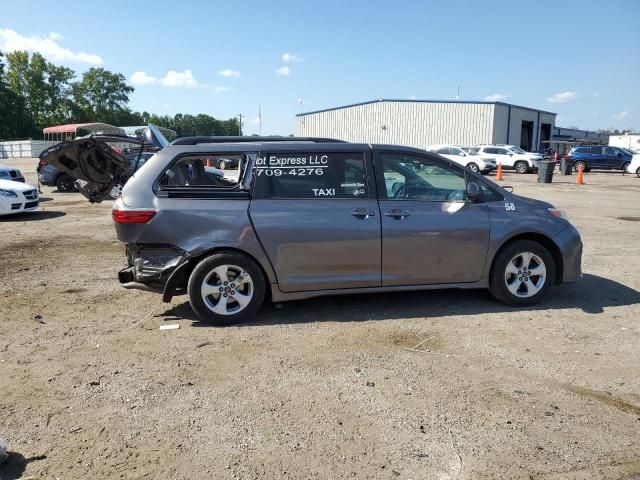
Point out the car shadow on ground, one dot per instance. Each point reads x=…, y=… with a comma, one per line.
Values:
x=32, y=216
x=591, y=295
x=15, y=464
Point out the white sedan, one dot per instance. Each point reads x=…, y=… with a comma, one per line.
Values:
x=469, y=159
x=634, y=166
x=16, y=197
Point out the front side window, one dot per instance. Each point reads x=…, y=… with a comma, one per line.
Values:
x=610, y=151
x=502, y=151
x=415, y=178
x=198, y=171
x=443, y=151
x=301, y=175
x=456, y=151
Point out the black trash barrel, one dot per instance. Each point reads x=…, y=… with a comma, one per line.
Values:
x=565, y=166
x=545, y=171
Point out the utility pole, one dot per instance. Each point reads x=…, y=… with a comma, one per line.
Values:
x=239, y=124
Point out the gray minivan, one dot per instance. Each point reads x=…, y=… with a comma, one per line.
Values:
x=304, y=217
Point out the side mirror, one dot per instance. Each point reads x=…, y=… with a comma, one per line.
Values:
x=511, y=154
x=473, y=192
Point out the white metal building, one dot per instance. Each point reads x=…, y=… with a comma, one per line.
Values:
x=420, y=123
x=629, y=140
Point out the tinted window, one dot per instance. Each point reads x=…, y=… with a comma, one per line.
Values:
x=502, y=151
x=610, y=151
x=596, y=150
x=417, y=178
x=581, y=150
x=490, y=195
x=443, y=151
x=310, y=175
x=198, y=172
x=456, y=151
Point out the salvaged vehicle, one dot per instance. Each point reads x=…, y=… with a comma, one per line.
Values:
x=308, y=217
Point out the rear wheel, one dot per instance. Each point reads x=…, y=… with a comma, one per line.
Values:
x=115, y=191
x=522, y=273
x=473, y=167
x=64, y=183
x=521, y=167
x=226, y=288
x=578, y=164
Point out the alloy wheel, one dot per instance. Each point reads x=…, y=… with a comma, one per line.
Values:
x=525, y=274
x=227, y=290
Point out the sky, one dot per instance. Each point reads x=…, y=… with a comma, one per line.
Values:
x=580, y=59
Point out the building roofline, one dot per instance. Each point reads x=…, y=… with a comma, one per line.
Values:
x=481, y=102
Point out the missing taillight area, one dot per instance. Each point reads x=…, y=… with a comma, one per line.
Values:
x=132, y=216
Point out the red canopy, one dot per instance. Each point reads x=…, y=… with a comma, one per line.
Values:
x=70, y=128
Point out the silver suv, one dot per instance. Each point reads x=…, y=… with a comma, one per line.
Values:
x=306, y=217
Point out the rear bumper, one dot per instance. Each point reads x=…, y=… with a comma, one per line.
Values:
x=570, y=245
x=155, y=268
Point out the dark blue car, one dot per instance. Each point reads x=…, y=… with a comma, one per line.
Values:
x=599, y=157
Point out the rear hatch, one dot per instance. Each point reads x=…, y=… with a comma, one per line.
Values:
x=93, y=161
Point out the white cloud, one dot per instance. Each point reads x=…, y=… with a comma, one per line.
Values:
x=141, y=78
x=229, y=73
x=496, y=97
x=172, y=79
x=562, y=97
x=48, y=46
x=288, y=57
x=622, y=115
x=175, y=79
x=283, y=71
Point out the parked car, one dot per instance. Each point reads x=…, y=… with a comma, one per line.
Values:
x=634, y=165
x=11, y=173
x=470, y=159
x=311, y=217
x=599, y=157
x=227, y=163
x=535, y=156
x=510, y=159
x=17, y=197
x=54, y=177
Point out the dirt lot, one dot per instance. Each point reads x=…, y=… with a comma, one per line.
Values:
x=324, y=388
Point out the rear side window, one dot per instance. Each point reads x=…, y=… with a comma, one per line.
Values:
x=200, y=171
x=310, y=175
x=596, y=150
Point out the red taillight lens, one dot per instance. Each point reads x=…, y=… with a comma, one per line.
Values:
x=132, y=216
x=569, y=155
x=42, y=163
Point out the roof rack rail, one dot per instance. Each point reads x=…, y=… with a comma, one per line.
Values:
x=245, y=139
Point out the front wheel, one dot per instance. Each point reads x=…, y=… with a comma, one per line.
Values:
x=625, y=166
x=638, y=172
x=522, y=167
x=473, y=167
x=522, y=273
x=226, y=288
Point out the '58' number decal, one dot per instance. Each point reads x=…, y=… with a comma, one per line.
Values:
x=509, y=207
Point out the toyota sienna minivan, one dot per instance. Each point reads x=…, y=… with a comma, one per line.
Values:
x=305, y=217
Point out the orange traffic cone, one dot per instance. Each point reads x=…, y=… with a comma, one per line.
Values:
x=499, y=172
x=579, y=179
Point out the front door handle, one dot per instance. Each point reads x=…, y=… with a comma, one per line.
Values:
x=397, y=213
x=363, y=213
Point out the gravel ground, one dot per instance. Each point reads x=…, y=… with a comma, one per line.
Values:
x=419, y=385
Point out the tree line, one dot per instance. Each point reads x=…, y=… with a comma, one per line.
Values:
x=35, y=93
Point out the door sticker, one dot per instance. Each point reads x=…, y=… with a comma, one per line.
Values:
x=509, y=207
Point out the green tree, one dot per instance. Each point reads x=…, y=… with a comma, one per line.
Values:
x=101, y=95
x=15, y=122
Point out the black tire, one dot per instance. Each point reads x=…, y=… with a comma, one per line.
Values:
x=638, y=172
x=473, y=167
x=521, y=167
x=497, y=279
x=576, y=166
x=205, y=268
x=624, y=166
x=64, y=183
